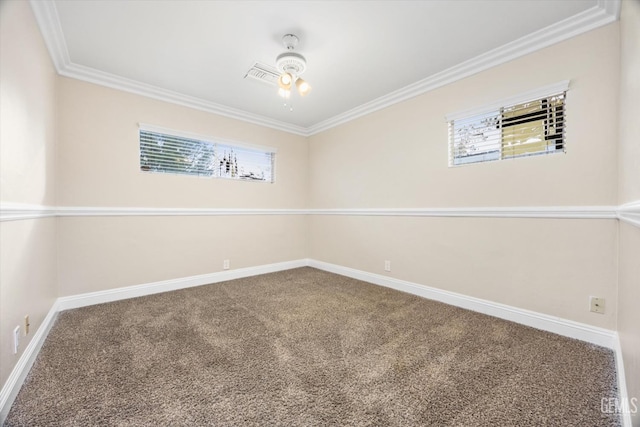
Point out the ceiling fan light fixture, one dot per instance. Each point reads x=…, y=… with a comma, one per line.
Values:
x=285, y=93
x=285, y=80
x=303, y=87
x=291, y=65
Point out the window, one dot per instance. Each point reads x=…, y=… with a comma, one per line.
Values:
x=529, y=125
x=172, y=152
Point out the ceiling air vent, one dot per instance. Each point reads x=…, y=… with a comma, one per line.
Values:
x=264, y=73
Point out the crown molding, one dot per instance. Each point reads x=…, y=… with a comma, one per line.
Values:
x=113, y=81
x=611, y=7
x=605, y=12
x=46, y=15
x=48, y=20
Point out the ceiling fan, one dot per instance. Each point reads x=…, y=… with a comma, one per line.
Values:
x=286, y=74
x=291, y=65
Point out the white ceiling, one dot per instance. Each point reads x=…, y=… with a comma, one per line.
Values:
x=361, y=55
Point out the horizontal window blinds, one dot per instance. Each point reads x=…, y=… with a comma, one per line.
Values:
x=166, y=153
x=528, y=128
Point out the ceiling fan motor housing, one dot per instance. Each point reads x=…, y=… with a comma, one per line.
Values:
x=291, y=62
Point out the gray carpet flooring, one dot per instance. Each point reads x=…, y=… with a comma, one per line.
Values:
x=305, y=347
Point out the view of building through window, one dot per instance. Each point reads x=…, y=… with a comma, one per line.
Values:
x=161, y=152
x=524, y=129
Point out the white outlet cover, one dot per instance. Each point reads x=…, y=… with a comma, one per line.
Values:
x=16, y=339
x=597, y=305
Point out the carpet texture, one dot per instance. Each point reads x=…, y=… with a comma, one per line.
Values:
x=305, y=347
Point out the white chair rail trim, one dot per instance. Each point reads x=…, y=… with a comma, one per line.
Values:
x=629, y=212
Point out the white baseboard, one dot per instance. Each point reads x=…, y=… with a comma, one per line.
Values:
x=564, y=327
x=622, y=382
x=91, y=298
x=13, y=384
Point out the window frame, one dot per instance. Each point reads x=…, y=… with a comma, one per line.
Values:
x=497, y=109
x=143, y=127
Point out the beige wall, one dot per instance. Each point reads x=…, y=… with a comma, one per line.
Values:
x=397, y=157
x=99, y=253
x=27, y=168
x=93, y=130
x=545, y=265
x=393, y=158
x=98, y=157
x=27, y=159
x=99, y=167
x=629, y=147
x=629, y=313
x=629, y=191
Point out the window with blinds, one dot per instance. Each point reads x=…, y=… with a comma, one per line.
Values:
x=165, y=152
x=533, y=127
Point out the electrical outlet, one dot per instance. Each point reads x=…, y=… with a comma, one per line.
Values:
x=597, y=305
x=387, y=265
x=16, y=339
x=26, y=325
x=225, y=264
